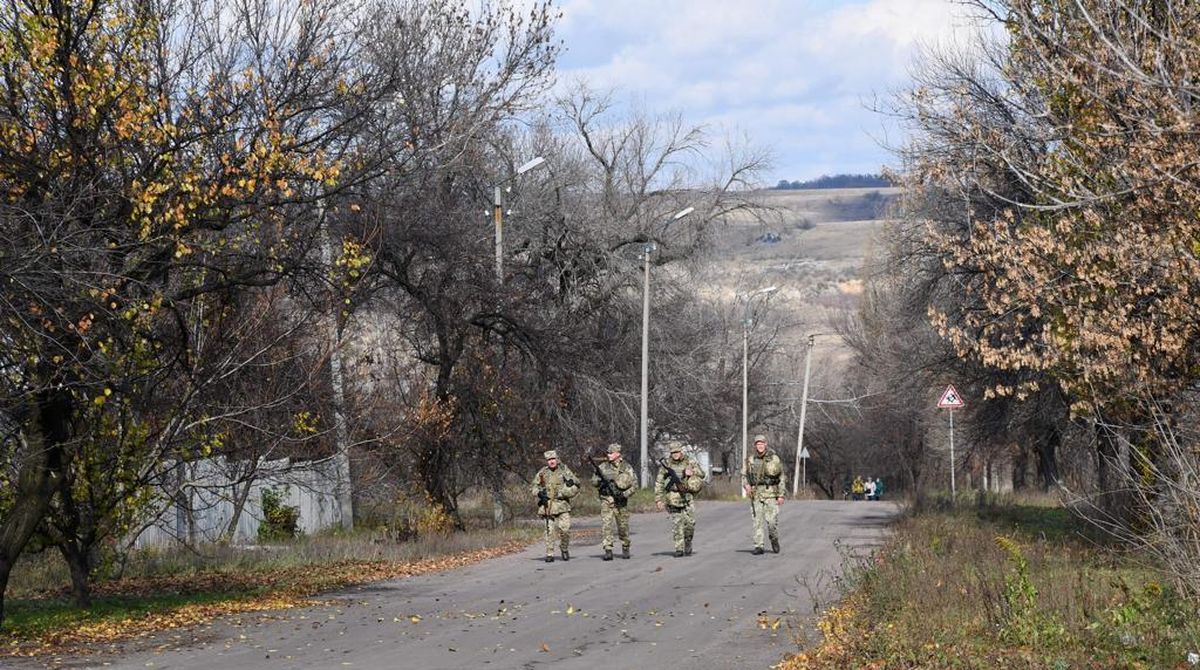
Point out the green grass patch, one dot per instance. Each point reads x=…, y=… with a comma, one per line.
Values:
x=999, y=586
x=34, y=619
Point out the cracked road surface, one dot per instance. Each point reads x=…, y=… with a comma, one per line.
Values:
x=721, y=607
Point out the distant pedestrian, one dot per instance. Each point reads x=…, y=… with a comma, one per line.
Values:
x=878, y=488
x=763, y=482
x=869, y=488
x=614, y=481
x=554, y=486
x=679, y=480
x=857, y=488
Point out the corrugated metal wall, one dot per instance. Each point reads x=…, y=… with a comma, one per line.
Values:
x=205, y=492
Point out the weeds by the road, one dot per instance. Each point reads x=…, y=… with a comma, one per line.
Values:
x=169, y=589
x=1003, y=586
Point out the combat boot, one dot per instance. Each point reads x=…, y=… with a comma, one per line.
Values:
x=687, y=547
x=678, y=553
x=566, y=556
x=624, y=552
x=608, y=554
x=758, y=551
x=549, y=559
x=775, y=544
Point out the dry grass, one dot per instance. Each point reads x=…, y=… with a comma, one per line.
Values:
x=1018, y=586
x=41, y=576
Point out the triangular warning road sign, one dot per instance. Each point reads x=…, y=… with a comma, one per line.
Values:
x=950, y=399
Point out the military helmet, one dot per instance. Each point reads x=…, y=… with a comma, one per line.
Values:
x=550, y=454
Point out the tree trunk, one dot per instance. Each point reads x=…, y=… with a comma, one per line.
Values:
x=1112, y=459
x=1048, y=457
x=76, y=554
x=1020, y=468
x=42, y=458
x=499, y=509
x=74, y=533
x=6, y=566
x=435, y=471
x=239, y=506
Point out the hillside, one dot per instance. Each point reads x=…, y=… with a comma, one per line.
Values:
x=812, y=246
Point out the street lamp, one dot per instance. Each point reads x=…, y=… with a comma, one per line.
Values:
x=649, y=248
x=800, y=453
x=498, y=215
x=746, y=373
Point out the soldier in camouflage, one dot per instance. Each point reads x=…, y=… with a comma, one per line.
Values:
x=763, y=481
x=554, y=487
x=616, y=477
x=679, y=479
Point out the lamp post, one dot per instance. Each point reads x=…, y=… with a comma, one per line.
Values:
x=746, y=374
x=800, y=455
x=498, y=215
x=649, y=248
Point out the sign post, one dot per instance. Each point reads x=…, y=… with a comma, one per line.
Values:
x=804, y=460
x=951, y=400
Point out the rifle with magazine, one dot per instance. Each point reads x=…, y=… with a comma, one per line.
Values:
x=608, y=487
x=674, y=483
x=544, y=500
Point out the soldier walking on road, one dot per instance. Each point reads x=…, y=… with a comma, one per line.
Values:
x=554, y=487
x=763, y=481
x=614, y=481
x=679, y=479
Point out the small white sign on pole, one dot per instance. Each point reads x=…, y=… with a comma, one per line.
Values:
x=951, y=400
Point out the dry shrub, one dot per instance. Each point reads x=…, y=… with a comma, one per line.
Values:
x=416, y=515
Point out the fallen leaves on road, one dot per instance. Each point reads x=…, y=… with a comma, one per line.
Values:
x=268, y=589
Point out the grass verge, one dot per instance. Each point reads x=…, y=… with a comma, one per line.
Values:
x=1003, y=586
x=175, y=589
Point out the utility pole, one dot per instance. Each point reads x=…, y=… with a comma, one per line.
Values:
x=498, y=214
x=342, y=489
x=800, y=455
x=648, y=248
x=645, y=430
x=498, y=218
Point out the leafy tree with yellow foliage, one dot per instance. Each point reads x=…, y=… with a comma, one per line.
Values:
x=158, y=165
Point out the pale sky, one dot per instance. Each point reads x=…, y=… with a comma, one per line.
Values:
x=795, y=75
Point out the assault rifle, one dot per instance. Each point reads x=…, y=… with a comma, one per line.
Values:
x=543, y=497
x=674, y=483
x=607, y=486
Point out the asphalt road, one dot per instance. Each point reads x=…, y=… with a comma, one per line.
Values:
x=715, y=609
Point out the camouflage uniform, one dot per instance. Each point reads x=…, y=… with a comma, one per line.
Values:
x=764, y=475
x=614, y=515
x=679, y=503
x=560, y=485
